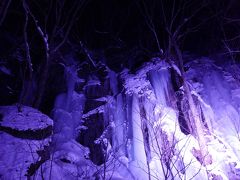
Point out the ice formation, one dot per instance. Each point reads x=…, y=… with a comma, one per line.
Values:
x=139, y=126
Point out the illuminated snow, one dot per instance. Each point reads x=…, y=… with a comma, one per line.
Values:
x=142, y=132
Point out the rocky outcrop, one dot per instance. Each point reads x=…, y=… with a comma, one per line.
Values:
x=24, y=141
x=96, y=91
x=95, y=128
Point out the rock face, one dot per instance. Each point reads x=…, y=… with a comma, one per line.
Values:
x=95, y=128
x=144, y=121
x=24, y=141
x=124, y=126
x=95, y=91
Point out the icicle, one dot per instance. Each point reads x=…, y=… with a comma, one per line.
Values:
x=129, y=130
x=160, y=82
x=119, y=141
x=138, y=144
x=68, y=109
x=226, y=121
x=139, y=164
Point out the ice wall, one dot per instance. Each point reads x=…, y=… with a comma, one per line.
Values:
x=68, y=109
x=132, y=127
x=160, y=81
x=218, y=103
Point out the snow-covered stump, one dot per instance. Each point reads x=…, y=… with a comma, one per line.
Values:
x=24, y=141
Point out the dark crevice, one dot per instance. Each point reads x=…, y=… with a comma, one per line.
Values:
x=38, y=134
x=1, y=117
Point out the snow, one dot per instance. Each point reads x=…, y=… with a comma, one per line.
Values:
x=217, y=94
x=93, y=82
x=220, y=105
x=142, y=135
x=176, y=68
x=139, y=83
x=68, y=162
x=27, y=118
x=67, y=120
x=218, y=97
x=94, y=111
x=18, y=154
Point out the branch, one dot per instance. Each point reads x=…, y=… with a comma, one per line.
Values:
x=40, y=31
x=3, y=11
x=186, y=20
x=234, y=38
x=180, y=9
x=58, y=15
x=149, y=23
x=232, y=52
x=195, y=28
x=28, y=57
x=231, y=20
x=73, y=19
x=88, y=54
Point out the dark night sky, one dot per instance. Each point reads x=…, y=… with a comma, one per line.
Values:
x=109, y=23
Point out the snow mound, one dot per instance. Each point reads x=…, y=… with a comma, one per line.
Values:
x=70, y=161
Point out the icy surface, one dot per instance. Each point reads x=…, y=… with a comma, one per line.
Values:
x=218, y=98
x=219, y=90
x=221, y=97
x=68, y=162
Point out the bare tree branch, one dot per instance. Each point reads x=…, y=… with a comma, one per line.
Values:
x=4, y=5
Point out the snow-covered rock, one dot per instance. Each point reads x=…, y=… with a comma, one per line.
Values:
x=25, y=136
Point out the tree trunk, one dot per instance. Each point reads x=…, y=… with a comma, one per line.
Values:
x=26, y=96
x=205, y=156
x=42, y=83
